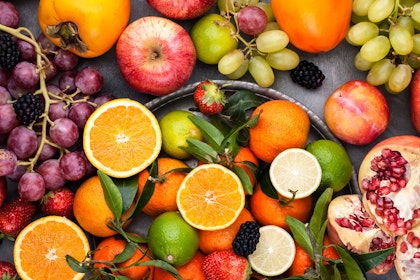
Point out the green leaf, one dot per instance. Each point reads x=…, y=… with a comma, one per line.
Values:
x=122, y=277
x=164, y=265
x=353, y=270
x=148, y=190
x=76, y=265
x=202, y=151
x=112, y=195
x=135, y=238
x=239, y=102
x=300, y=234
x=243, y=176
x=267, y=187
x=213, y=135
x=127, y=253
x=370, y=260
x=128, y=188
x=320, y=212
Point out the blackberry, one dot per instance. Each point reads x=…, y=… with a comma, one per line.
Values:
x=246, y=239
x=308, y=75
x=9, y=51
x=28, y=108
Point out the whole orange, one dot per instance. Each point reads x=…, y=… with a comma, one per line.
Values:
x=270, y=211
x=301, y=262
x=91, y=210
x=189, y=271
x=166, y=187
x=111, y=246
x=282, y=124
x=218, y=240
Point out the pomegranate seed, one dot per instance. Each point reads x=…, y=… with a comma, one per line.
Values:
x=358, y=228
x=403, y=247
x=416, y=255
x=384, y=191
x=367, y=222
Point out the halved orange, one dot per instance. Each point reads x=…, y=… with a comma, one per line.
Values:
x=122, y=137
x=41, y=247
x=211, y=197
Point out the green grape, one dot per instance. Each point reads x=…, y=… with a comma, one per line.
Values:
x=285, y=59
x=399, y=79
x=380, y=10
x=375, y=49
x=356, y=19
x=261, y=71
x=415, y=13
x=271, y=25
x=407, y=23
x=380, y=72
x=240, y=72
x=416, y=43
x=413, y=60
x=267, y=8
x=231, y=61
x=360, y=7
x=362, y=64
x=234, y=5
x=362, y=32
x=272, y=41
x=401, y=39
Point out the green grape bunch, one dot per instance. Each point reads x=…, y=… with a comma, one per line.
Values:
x=387, y=32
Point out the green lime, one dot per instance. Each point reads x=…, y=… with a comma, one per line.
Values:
x=335, y=162
x=212, y=39
x=172, y=239
x=176, y=128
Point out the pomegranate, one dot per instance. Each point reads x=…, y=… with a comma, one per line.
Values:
x=389, y=179
x=407, y=263
x=350, y=226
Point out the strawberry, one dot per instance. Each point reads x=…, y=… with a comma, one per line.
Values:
x=225, y=265
x=209, y=98
x=15, y=215
x=7, y=271
x=58, y=202
x=3, y=189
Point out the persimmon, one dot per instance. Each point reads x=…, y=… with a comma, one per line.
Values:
x=88, y=28
x=315, y=25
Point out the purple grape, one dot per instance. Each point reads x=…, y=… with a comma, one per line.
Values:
x=50, y=72
x=4, y=95
x=58, y=110
x=8, y=162
x=46, y=45
x=65, y=60
x=9, y=14
x=73, y=165
x=54, y=89
x=4, y=77
x=22, y=141
x=27, y=50
x=52, y=174
x=80, y=112
x=15, y=90
x=17, y=174
x=252, y=20
x=31, y=186
x=90, y=169
x=103, y=98
x=64, y=132
x=66, y=81
x=47, y=151
x=89, y=80
x=25, y=75
x=8, y=119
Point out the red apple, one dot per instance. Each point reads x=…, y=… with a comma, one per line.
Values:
x=415, y=101
x=181, y=9
x=357, y=112
x=155, y=55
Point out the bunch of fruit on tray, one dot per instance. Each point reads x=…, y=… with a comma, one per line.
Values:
x=235, y=187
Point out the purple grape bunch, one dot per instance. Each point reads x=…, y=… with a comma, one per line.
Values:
x=45, y=101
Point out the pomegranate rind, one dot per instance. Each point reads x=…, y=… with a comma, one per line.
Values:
x=407, y=199
x=406, y=265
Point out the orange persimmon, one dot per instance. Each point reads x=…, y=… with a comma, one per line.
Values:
x=313, y=25
x=88, y=28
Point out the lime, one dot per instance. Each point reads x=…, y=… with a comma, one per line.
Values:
x=212, y=39
x=295, y=171
x=176, y=128
x=172, y=239
x=335, y=163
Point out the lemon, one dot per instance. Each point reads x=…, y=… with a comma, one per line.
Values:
x=335, y=163
x=297, y=171
x=172, y=239
x=212, y=39
x=274, y=253
x=176, y=128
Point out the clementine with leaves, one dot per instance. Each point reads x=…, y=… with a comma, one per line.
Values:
x=189, y=271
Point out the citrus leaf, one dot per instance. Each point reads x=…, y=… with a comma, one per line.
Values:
x=135, y=238
x=202, y=151
x=127, y=253
x=76, y=265
x=122, y=277
x=267, y=187
x=370, y=260
x=148, y=190
x=352, y=268
x=320, y=212
x=213, y=135
x=128, y=188
x=300, y=234
x=239, y=102
x=112, y=195
x=243, y=176
x=164, y=265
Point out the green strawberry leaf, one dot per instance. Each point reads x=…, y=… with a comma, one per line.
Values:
x=112, y=195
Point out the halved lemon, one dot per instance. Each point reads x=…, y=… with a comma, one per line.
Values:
x=122, y=137
x=295, y=170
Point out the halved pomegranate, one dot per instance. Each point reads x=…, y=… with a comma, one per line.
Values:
x=407, y=263
x=350, y=226
x=389, y=179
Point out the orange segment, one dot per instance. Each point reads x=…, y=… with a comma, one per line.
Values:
x=211, y=197
x=41, y=247
x=122, y=137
